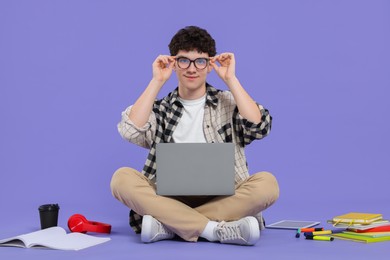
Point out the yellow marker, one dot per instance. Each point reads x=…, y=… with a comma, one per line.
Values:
x=321, y=238
x=325, y=232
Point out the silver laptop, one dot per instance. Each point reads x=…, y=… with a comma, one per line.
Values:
x=195, y=169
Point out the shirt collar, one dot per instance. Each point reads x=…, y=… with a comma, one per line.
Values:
x=211, y=95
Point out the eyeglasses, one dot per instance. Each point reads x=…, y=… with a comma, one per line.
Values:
x=185, y=63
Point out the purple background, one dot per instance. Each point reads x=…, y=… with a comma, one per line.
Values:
x=68, y=69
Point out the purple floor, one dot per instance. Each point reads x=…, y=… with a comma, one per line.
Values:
x=273, y=244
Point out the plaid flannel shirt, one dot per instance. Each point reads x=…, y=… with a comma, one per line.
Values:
x=222, y=123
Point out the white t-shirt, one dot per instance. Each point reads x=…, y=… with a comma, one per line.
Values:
x=190, y=126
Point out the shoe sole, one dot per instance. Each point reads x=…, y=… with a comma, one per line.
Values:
x=146, y=229
x=254, y=230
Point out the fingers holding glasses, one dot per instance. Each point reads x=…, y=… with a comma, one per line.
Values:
x=224, y=59
x=164, y=61
x=226, y=70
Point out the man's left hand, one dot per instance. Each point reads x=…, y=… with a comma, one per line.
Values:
x=227, y=69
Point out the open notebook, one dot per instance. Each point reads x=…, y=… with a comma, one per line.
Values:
x=54, y=238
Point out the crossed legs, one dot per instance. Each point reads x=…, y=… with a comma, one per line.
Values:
x=188, y=217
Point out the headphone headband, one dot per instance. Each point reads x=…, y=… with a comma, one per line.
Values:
x=78, y=223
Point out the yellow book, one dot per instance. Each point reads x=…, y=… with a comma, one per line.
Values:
x=357, y=218
x=369, y=234
x=359, y=238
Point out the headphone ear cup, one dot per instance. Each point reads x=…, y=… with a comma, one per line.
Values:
x=76, y=223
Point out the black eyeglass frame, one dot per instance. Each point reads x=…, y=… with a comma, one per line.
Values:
x=192, y=61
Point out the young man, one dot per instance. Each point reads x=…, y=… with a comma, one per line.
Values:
x=195, y=112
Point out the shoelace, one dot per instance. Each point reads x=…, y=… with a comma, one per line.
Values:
x=228, y=232
x=162, y=231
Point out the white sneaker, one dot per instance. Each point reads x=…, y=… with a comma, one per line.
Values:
x=241, y=232
x=152, y=230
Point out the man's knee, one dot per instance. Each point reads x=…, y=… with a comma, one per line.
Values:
x=118, y=178
x=269, y=185
x=273, y=184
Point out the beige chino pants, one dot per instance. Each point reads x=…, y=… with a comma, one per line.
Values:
x=188, y=216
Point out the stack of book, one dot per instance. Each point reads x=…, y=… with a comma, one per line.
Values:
x=362, y=227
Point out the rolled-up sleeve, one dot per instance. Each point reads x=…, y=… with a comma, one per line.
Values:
x=141, y=136
x=249, y=131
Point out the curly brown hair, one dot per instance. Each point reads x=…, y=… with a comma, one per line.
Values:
x=192, y=38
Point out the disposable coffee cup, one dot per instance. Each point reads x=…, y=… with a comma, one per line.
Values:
x=48, y=214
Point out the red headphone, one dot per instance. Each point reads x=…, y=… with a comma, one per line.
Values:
x=78, y=223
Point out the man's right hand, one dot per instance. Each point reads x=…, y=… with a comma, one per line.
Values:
x=162, y=71
x=162, y=68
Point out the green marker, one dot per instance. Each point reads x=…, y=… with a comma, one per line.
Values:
x=298, y=234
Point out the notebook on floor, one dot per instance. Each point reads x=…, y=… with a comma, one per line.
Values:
x=195, y=169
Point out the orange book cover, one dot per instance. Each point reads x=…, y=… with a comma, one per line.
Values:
x=375, y=229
